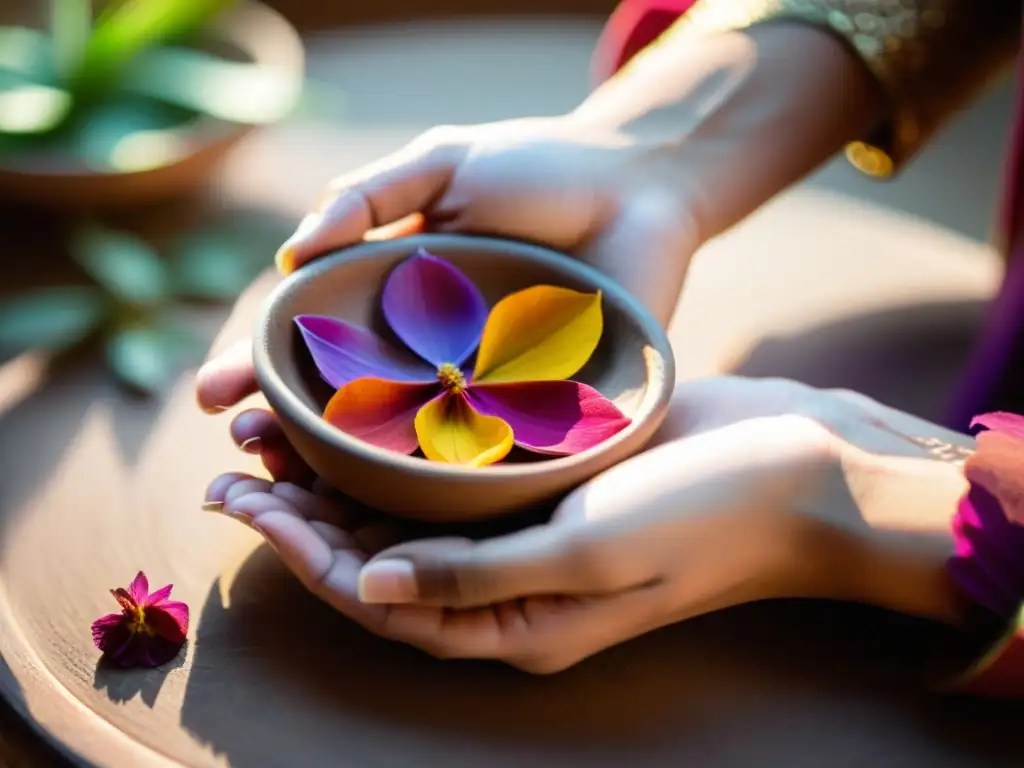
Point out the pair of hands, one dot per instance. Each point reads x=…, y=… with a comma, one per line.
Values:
x=742, y=496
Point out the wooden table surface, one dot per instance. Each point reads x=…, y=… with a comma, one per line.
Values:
x=841, y=282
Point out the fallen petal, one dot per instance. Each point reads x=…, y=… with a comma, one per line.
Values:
x=160, y=595
x=381, y=412
x=168, y=620
x=110, y=632
x=1000, y=421
x=451, y=431
x=553, y=417
x=139, y=588
x=434, y=308
x=344, y=352
x=541, y=333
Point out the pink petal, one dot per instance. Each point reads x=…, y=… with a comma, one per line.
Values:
x=139, y=589
x=160, y=595
x=435, y=309
x=382, y=413
x=553, y=417
x=169, y=620
x=344, y=352
x=1011, y=424
x=110, y=632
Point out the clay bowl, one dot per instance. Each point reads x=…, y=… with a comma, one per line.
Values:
x=633, y=365
x=247, y=32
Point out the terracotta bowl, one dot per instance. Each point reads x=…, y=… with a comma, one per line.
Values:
x=633, y=365
x=249, y=31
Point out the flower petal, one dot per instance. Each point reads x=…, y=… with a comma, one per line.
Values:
x=541, y=333
x=139, y=588
x=553, y=417
x=160, y=595
x=152, y=651
x=434, y=308
x=344, y=352
x=1011, y=424
x=124, y=599
x=169, y=620
x=110, y=632
x=451, y=431
x=380, y=412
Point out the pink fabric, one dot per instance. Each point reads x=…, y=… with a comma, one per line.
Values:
x=633, y=26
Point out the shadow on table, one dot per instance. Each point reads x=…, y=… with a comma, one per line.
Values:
x=908, y=358
x=279, y=678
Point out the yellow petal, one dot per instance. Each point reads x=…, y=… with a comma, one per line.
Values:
x=542, y=333
x=451, y=431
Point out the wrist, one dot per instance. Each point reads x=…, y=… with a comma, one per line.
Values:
x=735, y=117
x=898, y=559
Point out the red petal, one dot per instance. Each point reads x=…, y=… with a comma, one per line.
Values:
x=124, y=599
x=169, y=620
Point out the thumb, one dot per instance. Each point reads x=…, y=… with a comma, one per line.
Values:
x=460, y=573
x=399, y=185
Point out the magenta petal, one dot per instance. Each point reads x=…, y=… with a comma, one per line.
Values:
x=344, y=352
x=139, y=588
x=160, y=595
x=988, y=564
x=435, y=309
x=554, y=417
x=169, y=620
x=1010, y=424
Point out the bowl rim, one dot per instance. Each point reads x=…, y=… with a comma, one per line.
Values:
x=655, y=400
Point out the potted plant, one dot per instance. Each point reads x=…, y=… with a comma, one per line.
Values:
x=132, y=101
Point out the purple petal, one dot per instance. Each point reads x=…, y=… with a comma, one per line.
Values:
x=160, y=595
x=344, y=352
x=1011, y=424
x=110, y=632
x=553, y=417
x=154, y=651
x=139, y=589
x=168, y=620
x=435, y=309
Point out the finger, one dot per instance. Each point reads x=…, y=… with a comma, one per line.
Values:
x=538, y=634
x=226, y=379
x=330, y=574
x=314, y=507
x=217, y=490
x=460, y=573
x=256, y=429
x=402, y=184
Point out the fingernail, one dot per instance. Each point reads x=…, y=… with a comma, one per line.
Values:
x=252, y=445
x=287, y=253
x=213, y=506
x=388, y=581
x=267, y=535
x=215, y=408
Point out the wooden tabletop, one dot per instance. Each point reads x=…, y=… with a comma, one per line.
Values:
x=841, y=282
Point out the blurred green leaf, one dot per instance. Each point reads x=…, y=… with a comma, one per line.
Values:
x=235, y=91
x=218, y=263
x=27, y=52
x=126, y=266
x=50, y=318
x=128, y=133
x=70, y=25
x=321, y=101
x=149, y=358
x=32, y=108
x=125, y=30
x=139, y=357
